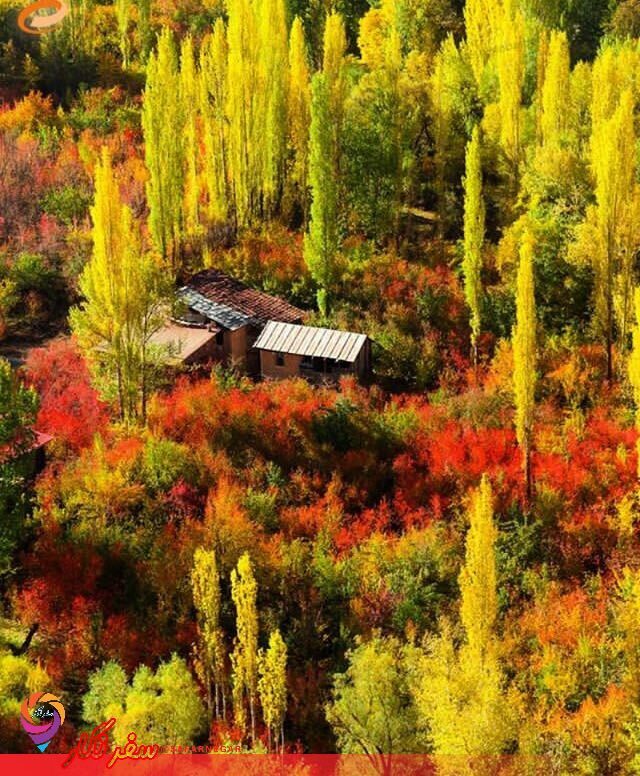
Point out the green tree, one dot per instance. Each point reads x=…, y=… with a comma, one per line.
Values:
x=299, y=112
x=163, y=126
x=322, y=240
x=372, y=710
x=163, y=707
x=18, y=408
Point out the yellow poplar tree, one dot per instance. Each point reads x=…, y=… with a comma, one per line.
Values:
x=205, y=586
x=334, y=49
x=244, y=99
x=524, y=356
x=479, y=601
x=461, y=691
x=123, y=294
x=299, y=110
x=244, y=659
x=163, y=126
x=188, y=96
x=272, y=687
x=555, y=90
x=212, y=100
x=510, y=66
x=634, y=365
x=474, y=214
x=123, y=15
x=541, y=66
x=481, y=21
x=613, y=165
x=273, y=61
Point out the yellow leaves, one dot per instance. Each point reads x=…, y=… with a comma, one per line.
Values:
x=244, y=659
x=478, y=608
x=272, y=684
x=524, y=345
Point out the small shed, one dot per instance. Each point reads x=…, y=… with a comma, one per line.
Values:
x=320, y=355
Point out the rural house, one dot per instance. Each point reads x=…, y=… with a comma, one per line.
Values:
x=219, y=318
x=317, y=354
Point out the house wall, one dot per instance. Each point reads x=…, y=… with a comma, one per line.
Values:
x=270, y=370
x=235, y=347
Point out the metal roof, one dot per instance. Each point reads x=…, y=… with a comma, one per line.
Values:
x=220, y=313
x=311, y=341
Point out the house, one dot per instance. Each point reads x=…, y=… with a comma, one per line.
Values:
x=320, y=355
x=29, y=458
x=187, y=345
x=232, y=313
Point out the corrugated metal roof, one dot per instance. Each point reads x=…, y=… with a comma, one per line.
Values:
x=220, y=313
x=311, y=341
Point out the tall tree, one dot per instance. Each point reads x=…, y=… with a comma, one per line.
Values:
x=555, y=90
x=244, y=100
x=524, y=356
x=205, y=585
x=163, y=126
x=124, y=296
x=613, y=163
x=273, y=61
x=474, y=214
x=189, y=115
x=299, y=112
x=212, y=95
x=481, y=20
x=510, y=66
x=244, y=659
x=18, y=408
x=322, y=240
x=478, y=586
x=272, y=686
x=123, y=14
x=634, y=366
x=461, y=691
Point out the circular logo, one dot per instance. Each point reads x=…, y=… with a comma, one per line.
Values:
x=37, y=25
x=41, y=715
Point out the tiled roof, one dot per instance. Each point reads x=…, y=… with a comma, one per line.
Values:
x=221, y=314
x=311, y=341
x=221, y=289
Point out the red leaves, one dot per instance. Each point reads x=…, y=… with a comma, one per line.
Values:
x=70, y=408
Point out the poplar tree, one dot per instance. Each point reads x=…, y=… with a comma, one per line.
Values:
x=189, y=100
x=613, y=164
x=123, y=15
x=144, y=28
x=634, y=366
x=299, y=111
x=334, y=49
x=474, y=214
x=163, y=126
x=212, y=100
x=524, y=356
x=555, y=91
x=244, y=98
x=322, y=240
x=124, y=294
x=481, y=21
x=273, y=61
x=205, y=586
x=272, y=687
x=478, y=587
x=244, y=659
x=510, y=66
x=461, y=690
x=541, y=66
